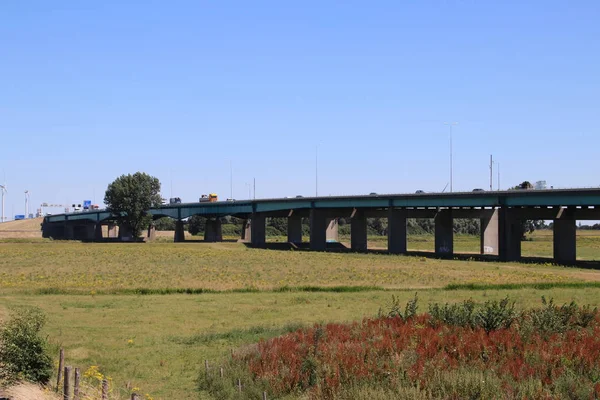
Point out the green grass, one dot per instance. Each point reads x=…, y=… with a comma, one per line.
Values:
x=183, y=303
x=173, y=335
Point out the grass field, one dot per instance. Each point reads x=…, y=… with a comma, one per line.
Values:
x=159, y=342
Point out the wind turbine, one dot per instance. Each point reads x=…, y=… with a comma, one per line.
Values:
x=26, y=204
x=3, y=189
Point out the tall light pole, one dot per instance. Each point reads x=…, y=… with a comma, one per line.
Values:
x=316, y=171
x=451, y=124
x=231, y=178
x=3, y=189
x=491, y=173
x=498, y=184
x=26, y=204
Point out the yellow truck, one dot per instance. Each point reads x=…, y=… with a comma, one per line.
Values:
x=210, y=198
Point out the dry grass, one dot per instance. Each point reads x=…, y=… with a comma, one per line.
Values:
x=226, y=266
x=27, y=228
x=158, y=343
x=29, y=391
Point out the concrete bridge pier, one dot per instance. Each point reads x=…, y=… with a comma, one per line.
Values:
x=258, y=230
x=69, y=231
x=294, y=229
x=54, y=230
x=125, y=234
x=98, y=231
x=213, y=230
x=397, y=231
x=179, y=232
x=358, y=231
x=331, y=233
x=318, y=228
x=246, y=231
x=112, y=230
x=489, y=240
x=565, y=240
x=444, y=233
x=509, y=232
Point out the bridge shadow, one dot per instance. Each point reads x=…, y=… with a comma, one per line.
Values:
x=337, y=247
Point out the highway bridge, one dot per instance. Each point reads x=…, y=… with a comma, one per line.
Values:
x=500, y=214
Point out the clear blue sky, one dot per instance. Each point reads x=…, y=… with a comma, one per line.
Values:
x=178, y=89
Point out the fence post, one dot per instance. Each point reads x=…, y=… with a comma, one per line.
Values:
x=134, y=396
x=67, y=383
x=61, y=361
x=264, y=395
x=221, y=372
x=206, y=367
x=76, y=384
x=239, y=385
x=104, y=389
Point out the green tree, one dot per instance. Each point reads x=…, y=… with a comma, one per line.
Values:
x=23, y=351
x=131, y=196
x=196, y=224
x=165, y=224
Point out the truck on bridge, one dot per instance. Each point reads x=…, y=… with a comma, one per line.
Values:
x=210, y=198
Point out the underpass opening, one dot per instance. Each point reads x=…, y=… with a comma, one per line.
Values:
x=588, y=241
x=420, y=234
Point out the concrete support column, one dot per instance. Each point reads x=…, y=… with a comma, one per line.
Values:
x=358, y=231
x=397, y=231
x=294, y=229
x=98, y=231
x=125, y=233
x=69, y=231
x=213, y=230
x=318, y=226
x=87, y=232
x=179, y=232
x=55, y=230
x=509, y=235
x=258, y=228
x=112, y=230
x=444, y=233
x=331, y=233
x=565, y=240
x=246, y=231
x=489, y=239
x=151, y=232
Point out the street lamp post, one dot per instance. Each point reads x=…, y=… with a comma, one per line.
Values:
x=451, y=124
x=3, y=189
x=27, y=204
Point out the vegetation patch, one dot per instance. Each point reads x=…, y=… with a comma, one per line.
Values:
x=461, y=351
x=515, y=286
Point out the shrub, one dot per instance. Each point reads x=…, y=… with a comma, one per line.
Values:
x=394, y=309
x=554, y=319
x=495, y=315
x=23, y=352
x=453, y=314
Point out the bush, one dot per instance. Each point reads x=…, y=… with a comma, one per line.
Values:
x=196, y=224
x=394, y=309
x=165, y=224
x=453, y=314
x=554, y=319
x=495, y=315
x=492, y=316
x=23, y=352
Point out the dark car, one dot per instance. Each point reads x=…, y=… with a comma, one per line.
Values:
x=478, y=190
x=419, y=191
